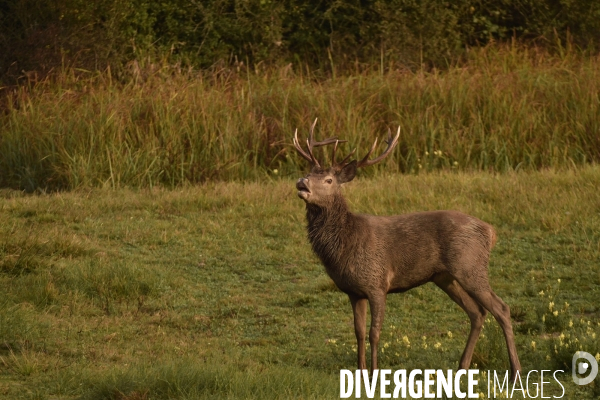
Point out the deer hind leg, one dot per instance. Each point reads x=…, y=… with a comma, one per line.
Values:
x=377, y=304
x=485, y=296
x=474, y=310
x=359, y=308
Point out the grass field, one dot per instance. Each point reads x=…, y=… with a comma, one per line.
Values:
x=212, y=291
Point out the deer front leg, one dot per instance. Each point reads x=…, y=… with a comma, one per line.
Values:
x=359, y=308
x=377, y=311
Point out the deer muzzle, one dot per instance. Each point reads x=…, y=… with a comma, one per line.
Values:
x=303, y=190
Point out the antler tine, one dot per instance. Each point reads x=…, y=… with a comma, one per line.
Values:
x=346, y=158
x=391, y=144
x=366, y=157
x=312, y=156
x=328, y=141
x=333, y=152
x=299, y=148
x=311, y=144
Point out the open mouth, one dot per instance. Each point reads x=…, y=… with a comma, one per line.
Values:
x=302, y=189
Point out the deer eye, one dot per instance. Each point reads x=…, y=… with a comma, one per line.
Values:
x=328, y=181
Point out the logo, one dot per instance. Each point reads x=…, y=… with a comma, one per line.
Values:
x=582, y=367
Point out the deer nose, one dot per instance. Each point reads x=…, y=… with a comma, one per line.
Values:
x=301, y=184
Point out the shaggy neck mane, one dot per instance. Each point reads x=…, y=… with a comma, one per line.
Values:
x=328, y=227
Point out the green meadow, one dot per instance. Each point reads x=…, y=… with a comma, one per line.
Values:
x=211, y=290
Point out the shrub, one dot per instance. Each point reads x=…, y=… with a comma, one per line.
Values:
x=42, y=35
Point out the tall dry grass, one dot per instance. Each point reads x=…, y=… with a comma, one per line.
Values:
x=504, y=108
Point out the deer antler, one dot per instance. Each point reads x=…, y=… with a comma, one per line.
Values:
x=343, y=162
x=365, y=162
x=310, y=142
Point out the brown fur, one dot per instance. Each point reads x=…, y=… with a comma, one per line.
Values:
x=370, y=256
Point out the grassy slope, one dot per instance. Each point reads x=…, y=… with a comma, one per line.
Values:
x=212, y=291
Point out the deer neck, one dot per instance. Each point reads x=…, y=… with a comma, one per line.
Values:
x=327, y=230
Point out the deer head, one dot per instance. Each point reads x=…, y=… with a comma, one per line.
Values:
x=322, y=183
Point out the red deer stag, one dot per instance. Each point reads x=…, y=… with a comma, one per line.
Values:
x=370, y=256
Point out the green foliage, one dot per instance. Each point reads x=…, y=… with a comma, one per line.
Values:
x=38, y=36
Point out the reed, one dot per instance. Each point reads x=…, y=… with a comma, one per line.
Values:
x=504, y=108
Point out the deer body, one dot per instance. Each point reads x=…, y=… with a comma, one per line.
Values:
x=370, y=256
x=362, y=253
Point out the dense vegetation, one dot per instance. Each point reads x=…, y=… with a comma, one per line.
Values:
x=506, y=108
x=38, y=36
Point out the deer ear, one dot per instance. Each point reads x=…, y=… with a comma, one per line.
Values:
x=347, y=173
